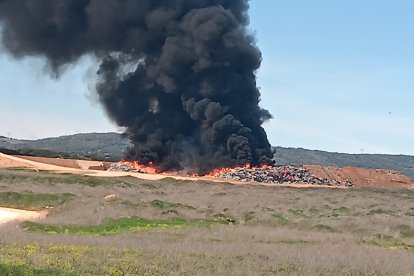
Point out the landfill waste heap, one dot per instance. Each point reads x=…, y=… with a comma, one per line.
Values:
x=278, y=174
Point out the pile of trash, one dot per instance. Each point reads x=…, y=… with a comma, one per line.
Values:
x=279, y=174
x=122, y=167
x=134, y=166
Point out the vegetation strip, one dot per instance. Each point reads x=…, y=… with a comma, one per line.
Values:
x=288, y=242
x=165, y=204
x=280, y=219
x=32, y=201
x=58, y=259
x=113, y=226
x=390, y=243
x=26, y=270
x=36, y=259
x=50, y=178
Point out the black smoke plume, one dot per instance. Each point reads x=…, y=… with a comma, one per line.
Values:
x=179, y=75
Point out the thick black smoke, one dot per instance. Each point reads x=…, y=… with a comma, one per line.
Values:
x=178, y=74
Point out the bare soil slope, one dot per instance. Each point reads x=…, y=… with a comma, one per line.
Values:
x=69, y=163
x=6, y=162
x=361, y=177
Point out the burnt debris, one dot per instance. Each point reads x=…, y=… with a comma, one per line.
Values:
x=280, y=174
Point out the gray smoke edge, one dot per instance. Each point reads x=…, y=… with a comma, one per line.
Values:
x=178, y=75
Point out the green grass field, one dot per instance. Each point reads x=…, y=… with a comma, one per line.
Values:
x=171, y=227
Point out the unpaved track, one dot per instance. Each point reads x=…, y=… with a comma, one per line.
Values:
x=67, y=163
x=9, y=161
x=9, y=215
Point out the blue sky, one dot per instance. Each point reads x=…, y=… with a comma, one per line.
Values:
x=336, y=75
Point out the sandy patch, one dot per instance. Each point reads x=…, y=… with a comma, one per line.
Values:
x=6, y=162
x=67, y=163
x=9, y=215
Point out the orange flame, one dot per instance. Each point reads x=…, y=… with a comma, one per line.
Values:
x=219, y=171
x=149, y=168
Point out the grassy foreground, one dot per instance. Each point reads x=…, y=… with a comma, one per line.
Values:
x=86, y=260
x=173, y=227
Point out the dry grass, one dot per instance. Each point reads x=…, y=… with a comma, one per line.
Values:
x=268, y=230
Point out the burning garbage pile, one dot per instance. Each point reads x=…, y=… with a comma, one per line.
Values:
x=134, y=166
x=265, y=174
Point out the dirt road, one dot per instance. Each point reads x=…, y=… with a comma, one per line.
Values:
x=9, y=161
x=8, y=215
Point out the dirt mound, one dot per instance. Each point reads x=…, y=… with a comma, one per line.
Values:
x=361, y=177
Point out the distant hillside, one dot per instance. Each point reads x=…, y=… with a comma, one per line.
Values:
x=402, y=163
x=95, y=145
x=110, y=146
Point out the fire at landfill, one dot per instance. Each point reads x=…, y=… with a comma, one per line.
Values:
x=178, y=76
x=270, y=174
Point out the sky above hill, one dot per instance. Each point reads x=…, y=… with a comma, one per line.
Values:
x=336, y=75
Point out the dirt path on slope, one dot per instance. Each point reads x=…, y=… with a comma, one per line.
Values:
x=9, y=161
x=9, y=215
